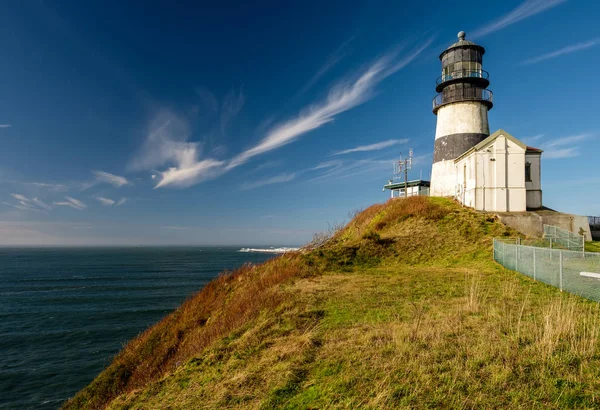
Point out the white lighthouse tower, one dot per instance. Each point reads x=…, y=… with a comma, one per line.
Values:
x=461, y=107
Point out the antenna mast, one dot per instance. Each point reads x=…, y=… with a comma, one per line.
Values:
x=403, y=166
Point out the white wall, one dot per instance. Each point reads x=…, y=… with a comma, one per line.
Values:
x=457, y=118
x=463, y=117
x=534, y=187
x=493, y=178
x=443, y=178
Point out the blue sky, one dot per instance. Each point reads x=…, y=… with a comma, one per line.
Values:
x=133, y=123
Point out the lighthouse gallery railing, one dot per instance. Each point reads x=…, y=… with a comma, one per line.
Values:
x=462, y=94
x=463, y=74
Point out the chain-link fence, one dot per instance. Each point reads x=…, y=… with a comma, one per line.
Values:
x=564, y=238
x=595, y=227
x=577, y=272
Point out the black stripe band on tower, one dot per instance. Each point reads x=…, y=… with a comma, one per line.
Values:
x=454, y=145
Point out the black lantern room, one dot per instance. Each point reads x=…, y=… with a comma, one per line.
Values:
x=463, y=78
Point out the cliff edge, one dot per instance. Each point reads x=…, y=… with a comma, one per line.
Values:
x=403, y=307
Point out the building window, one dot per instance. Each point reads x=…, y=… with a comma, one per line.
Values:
x=528, y=172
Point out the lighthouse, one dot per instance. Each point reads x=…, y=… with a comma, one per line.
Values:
x=461, y=107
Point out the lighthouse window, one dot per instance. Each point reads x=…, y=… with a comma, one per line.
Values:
x=528, y=171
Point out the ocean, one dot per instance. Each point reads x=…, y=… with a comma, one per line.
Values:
x=65, y=312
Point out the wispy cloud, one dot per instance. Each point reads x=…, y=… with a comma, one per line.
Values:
x=333, y=170
x=105, y=201
x=342, y=97
x=20, y=197
x=121, y=201
x=167, y=140
x=5, y=125
x=533, y=138
x=232, y=105
x=23, y=206
x=277, y=179
x=562, y=153
x=526, y=9
x=342, y=51
x=51, y=187
x=72, y=202
x=559, y=142
x=559, y=147
x=105, y=177
x=372, y=147
x=563, y=51
x=327, y=164
x=29, y=204
x=41, y=204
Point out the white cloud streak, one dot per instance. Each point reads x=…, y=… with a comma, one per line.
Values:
x=334, y=58
x=232, y=105
x=121, y=201
x=20, y=197
x=525, y=10
x=562, y=153
x=558, y=148
x=72, y=202
x=41, y=204
x=559, y=142
x=5, y=125
x=105, y=201
x=51, y=187
x=372, y=147
x=277, y=179
x=105, y=177
x=28, y=204
x=23, y=206
x=563, y=51
x=167, y=139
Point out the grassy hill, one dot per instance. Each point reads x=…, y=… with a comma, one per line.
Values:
x=404, y=307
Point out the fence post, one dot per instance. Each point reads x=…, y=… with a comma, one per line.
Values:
x=534, y=267
x=561, y=269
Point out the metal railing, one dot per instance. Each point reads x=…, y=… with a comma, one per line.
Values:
x=594, y=222
x=574, y=272
x=594, y=227
x=463, y=74
x=462, y=94
x=564, y=238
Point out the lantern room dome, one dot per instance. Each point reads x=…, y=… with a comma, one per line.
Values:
x=463, y=43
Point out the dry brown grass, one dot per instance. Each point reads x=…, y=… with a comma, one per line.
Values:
x=224, y=305
x=409, y=312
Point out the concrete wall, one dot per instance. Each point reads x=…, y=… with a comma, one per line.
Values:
x=532, y=223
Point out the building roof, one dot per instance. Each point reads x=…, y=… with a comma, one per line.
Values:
x=462, y=43
x=416, y=182
x=493, y=137
x=532, y=150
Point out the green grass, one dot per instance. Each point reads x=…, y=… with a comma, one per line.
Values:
x=592, y=246
x=404, y=308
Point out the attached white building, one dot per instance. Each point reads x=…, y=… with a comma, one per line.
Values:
x=413, y=188
x=499, y=174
